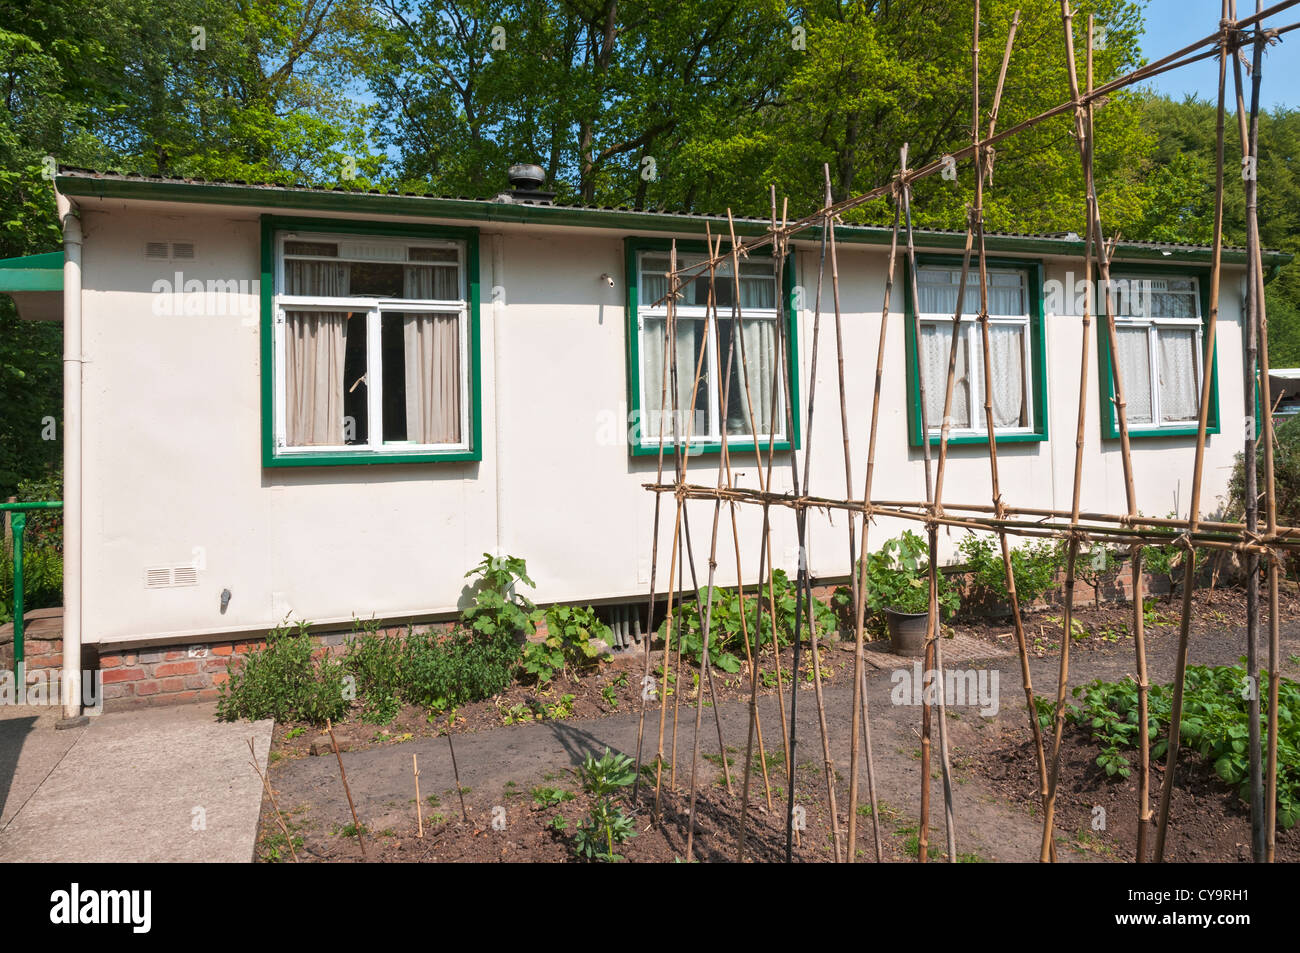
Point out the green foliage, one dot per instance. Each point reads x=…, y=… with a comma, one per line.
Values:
x=284, y=682
x=1098, y=565
x=550, y=797
x=1215, y=724
x=42, y=551
x=375, y=661
x=1034, y=566
x=726, y=629
x=497, y=608
x=898, y=578
x=607, y=824
x=1286, y=475
x=442, y=672
x=571, y=633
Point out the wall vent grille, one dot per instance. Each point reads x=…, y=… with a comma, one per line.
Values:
x=170, y=577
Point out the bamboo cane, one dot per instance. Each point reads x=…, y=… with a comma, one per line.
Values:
x=1270, y=482
x=1189, y=566
x=356, y=822
x=419, y=813
x=1250, y=464
x=859, y=598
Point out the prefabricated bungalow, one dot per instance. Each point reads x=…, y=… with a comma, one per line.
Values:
x=323, y=404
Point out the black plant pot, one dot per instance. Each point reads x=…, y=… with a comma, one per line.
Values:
x=906, y=632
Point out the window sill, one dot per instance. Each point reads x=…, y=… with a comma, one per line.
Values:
x=338, y=458
x=1179, y=431
x=734, y=448
x=981, y=439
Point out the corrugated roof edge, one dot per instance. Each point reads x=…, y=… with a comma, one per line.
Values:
x=88, y=183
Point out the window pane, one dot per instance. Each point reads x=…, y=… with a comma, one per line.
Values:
x=319, y=349
x=320, y=279
x=315, y=249
x=430, y=282
x=422, y=392
x=1179, y=396
x=936, y=341
x=1135, y=372
x=1010, y=378
x=750, y=387
x=692, y=415
x=937, y=291
x=757, y=283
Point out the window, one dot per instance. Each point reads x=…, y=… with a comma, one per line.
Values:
x=374, y=345
x=1015, y=349
x=1160, y=353
x=754, y=391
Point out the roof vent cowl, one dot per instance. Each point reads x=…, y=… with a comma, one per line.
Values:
x=526, y=182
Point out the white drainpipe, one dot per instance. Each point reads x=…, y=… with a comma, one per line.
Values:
x=498, y=383
x=72, y=361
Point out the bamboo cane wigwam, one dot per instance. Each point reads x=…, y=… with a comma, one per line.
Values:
x=1074, y=527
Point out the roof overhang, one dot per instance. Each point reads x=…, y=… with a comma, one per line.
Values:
x=35, y=282
x=341, y=201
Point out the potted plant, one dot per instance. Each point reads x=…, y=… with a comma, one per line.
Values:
x=898, y=587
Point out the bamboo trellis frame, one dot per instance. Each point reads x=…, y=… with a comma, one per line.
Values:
x=1073, y=527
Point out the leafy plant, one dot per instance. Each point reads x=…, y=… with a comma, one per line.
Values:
x=1034, y=566
x=1215, y=724
x=497, y=609
x=375, y=661
x=1165, y=561
x=611, y=696
x=550, y=797
x=570, y=643
x=606, y=824
x=1097, y=565
x=898, y=578
x=727, y=627
x=284, y=682
x=442, y=672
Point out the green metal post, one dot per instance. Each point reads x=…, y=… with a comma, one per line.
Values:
x=19, y=525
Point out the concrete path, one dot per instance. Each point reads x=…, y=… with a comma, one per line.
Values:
x=165, y=784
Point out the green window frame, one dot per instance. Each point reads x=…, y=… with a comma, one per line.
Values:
x=272, y=455
x=1109, y=421
x=643, y=445
x=1038, y=429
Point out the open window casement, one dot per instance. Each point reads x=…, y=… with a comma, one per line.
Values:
x=371, y=345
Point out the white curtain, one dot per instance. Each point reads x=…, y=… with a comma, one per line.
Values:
x=758, y=373
x=689, y=341
x=431, y=345
x=937, y=292
x=1179, y=399
x=936, y=341
x=1010, y=380
x=315, y=346
x=1135, y=373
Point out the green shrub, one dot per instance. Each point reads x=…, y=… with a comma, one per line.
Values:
x=898, y=578
x=1215, y=724
x=726, y=632
x=42, y=551
x=606, y=824
x=441, y=672
x=1286, y=479
x=283, y=682
x=571, y=633
x=1034, y=566
x=497, y=607
x=375, y=661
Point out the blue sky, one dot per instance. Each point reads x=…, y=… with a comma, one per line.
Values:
x=1173, y=24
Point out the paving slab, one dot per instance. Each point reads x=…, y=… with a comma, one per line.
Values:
x=158, y=785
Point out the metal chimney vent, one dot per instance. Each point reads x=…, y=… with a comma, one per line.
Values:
x=526, y=182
